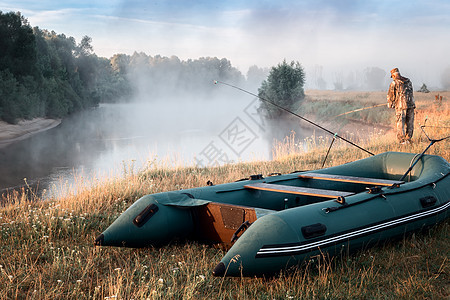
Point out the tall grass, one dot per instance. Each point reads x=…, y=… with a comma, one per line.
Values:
x=47, y=247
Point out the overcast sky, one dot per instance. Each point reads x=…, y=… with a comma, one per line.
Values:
x=340, y=36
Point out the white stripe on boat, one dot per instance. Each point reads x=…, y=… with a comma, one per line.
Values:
x=287, y=250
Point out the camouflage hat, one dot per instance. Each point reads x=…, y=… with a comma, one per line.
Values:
x=394, y=70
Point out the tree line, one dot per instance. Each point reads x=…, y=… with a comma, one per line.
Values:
x=173, y=79
x=45, y=74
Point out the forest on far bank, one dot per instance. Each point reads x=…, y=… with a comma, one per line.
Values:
x=46, y=74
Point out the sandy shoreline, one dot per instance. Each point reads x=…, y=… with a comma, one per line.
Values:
x=10, y=133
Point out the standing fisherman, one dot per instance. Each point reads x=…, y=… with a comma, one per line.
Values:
x=400, y=96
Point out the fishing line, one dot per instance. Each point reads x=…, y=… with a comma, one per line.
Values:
x=430, y=126
x=292, y=113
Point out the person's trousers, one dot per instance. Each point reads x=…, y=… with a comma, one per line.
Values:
x=405, y=124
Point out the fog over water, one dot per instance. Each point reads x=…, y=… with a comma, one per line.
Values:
x=103, y=141
x=169, y=120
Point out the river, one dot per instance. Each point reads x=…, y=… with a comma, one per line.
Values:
x=106, y=140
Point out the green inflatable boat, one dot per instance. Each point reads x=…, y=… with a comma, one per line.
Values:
x=276, y=222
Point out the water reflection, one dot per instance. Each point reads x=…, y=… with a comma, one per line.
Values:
x=101, y=140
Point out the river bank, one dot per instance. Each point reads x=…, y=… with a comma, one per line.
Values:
x=10, y=133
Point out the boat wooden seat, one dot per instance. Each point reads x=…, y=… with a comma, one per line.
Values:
x=342, y=178
x=297, y=190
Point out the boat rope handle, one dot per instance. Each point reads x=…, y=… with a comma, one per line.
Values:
x=243, y=227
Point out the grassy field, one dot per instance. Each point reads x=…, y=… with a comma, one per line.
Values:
x=47, y=247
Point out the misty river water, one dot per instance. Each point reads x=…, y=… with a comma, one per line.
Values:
x=111, y=138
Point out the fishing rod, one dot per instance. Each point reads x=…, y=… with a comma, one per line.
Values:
x=329, y=148
x=432, y=142
x=424, y=123
x=360, y=109
x=292, y=113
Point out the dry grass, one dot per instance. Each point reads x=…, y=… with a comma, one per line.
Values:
x=47, y=247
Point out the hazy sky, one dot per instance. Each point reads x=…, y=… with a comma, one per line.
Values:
x=341, y=36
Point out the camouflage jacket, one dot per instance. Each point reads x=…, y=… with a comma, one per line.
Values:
x=400, y=94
